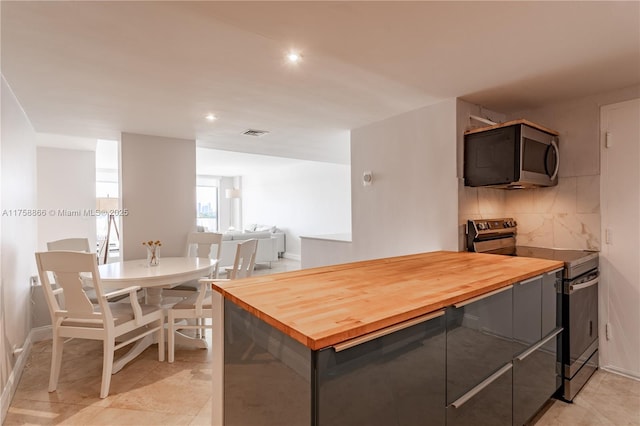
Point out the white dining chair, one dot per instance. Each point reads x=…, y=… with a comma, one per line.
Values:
x=74, y=316
x=199, y=244
x=82, y=244
x=198, y=305
x=73, y=244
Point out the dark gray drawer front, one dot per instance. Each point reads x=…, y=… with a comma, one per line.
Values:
x=394, y=380
x=492, y=406
x=479, y=341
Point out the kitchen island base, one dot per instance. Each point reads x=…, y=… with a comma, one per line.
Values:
x=394, y=341
x=396, y=379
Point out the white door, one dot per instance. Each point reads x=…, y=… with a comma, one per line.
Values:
x=620, y=255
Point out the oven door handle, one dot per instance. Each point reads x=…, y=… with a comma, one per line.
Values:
x=581, y=286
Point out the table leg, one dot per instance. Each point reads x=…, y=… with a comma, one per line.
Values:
x=183, y=339
x=153, y=296
x=137, y=348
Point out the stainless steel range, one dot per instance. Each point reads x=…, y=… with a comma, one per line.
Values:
x=579, y=300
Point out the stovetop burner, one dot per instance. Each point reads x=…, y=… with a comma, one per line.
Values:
x=564, y=255
x=498, y=236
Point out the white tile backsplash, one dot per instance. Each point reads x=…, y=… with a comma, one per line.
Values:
x=519, y=201
x=588, y=194
x=534, y=229
x=577, y=231
x=556, y=199
x=491, y=202
x=563, y=216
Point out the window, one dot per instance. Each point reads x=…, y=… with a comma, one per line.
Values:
x=207, y=203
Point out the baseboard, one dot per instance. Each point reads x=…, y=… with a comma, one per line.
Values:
x=14, y=378
x=622, y=372
x=292, y=256
x=39, y=334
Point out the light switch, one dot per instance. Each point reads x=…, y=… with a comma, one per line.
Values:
x=367, y=178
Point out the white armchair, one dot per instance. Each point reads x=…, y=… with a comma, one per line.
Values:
x=198, y=305
x=74, y=316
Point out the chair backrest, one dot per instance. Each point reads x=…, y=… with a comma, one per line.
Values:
x=67, y=267
x=73, y=244
x=245, y=259
x=204, y=243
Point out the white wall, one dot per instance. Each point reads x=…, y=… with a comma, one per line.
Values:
x=18, y=238
x=158, y=188
x=309, y=198
x=66, y=185
x=410, y=206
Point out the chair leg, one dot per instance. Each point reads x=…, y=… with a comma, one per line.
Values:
x=171, y=335
x=161, y=339
x=56, y=362
x=201, y=323
x=108, y=348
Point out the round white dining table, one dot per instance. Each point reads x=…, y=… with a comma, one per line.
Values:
x=169, y=272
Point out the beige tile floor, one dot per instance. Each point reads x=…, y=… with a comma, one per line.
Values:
x=147, y=392
x=606, y=400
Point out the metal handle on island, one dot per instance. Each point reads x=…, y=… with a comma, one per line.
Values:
x=386, y=331
x=540, y=344
x=484, y=296
x=477, y=389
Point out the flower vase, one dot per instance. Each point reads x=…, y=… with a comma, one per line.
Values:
x=153, y=255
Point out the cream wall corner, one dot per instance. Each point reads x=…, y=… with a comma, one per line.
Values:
x=158, y=187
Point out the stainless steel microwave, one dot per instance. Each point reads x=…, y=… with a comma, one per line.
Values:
x=513, y=155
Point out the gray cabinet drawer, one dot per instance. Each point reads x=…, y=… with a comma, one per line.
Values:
x=489, y=404
x=397, y=379
x=479, y=341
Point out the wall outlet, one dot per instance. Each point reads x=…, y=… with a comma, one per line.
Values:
x=34, y=280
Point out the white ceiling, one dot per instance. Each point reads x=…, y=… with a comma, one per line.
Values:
x=96, y=69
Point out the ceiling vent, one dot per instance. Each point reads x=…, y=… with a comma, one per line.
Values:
x=256, y=133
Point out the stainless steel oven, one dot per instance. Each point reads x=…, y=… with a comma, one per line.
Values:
x=580, y=298
x=579, y=295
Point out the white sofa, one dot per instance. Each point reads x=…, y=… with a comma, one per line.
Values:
x=268, y=246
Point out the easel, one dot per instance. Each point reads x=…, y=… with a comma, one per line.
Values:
x=105, y=245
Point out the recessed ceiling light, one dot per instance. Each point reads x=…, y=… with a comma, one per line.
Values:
x=294, y=57
x=210, y=117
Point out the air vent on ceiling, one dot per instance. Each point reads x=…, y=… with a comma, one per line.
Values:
x=253, y=132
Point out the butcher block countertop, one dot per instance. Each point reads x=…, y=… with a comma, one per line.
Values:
x=324, y=306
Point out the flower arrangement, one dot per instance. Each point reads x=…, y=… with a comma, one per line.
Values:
x=153, y=252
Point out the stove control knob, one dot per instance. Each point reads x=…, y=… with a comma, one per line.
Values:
x=482, y=226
